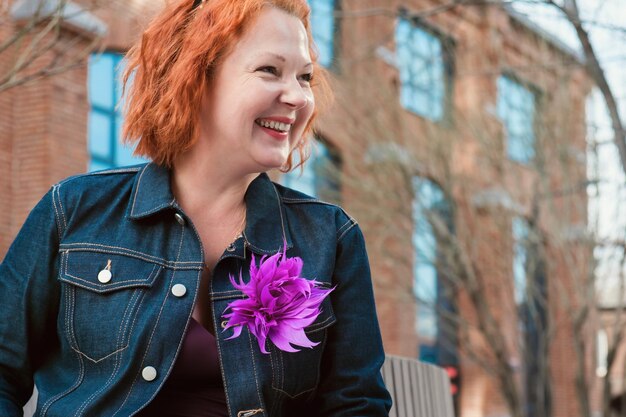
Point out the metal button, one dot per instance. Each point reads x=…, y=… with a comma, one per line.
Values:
x=180, y=219
x=224, y=324
x=179, y=290
x=149, y=373
x=104, y=276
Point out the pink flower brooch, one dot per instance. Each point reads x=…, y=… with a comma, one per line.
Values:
x=279, y=304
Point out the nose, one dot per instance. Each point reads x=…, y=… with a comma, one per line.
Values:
x=294, y=95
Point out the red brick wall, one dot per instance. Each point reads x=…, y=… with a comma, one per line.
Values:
x=43, y=133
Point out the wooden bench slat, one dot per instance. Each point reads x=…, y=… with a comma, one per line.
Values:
x=418, y=389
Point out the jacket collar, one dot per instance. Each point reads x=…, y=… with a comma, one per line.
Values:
x=266, y=224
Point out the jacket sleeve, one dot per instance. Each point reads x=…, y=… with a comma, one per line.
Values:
x=351, y=383
x=28, y=304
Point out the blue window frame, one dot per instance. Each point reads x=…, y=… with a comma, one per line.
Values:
x=323, y=28
x=516, y=109
x=421, y=62
x=105, y=118
x=434, y=296
x=320, y=175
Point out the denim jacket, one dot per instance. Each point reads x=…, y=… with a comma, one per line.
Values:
x=102, y=344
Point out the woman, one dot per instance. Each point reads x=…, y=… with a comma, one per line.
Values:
x=193, y=285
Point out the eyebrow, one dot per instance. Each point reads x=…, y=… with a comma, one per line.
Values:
x=281, y=58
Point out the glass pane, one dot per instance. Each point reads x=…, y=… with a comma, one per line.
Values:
x=101, y=81
x=99, y=129
x=97, y=165
x=120, y=65
x=427, y=202
x=520, y=237
x=323, y=28
x=124, y=153
x=516, y=108
x=422, y=73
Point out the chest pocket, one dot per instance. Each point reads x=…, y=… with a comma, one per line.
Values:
x=101, y=298
x=296, y=373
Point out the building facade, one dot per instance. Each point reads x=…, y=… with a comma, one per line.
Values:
x=456, y=139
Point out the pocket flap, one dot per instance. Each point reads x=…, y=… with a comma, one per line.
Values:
x=83, y=269
x=326, y=317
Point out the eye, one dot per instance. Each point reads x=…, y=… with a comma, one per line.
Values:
x=269, y=69
x=307, y=77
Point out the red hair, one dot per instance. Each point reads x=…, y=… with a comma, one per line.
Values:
x=172, y=65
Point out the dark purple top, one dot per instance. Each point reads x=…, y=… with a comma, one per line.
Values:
x=195, y=387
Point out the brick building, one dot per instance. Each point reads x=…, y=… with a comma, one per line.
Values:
x=457, y=141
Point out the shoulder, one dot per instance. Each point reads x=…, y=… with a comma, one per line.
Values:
x=314, y=211
x=111, y=177
x=96, y=188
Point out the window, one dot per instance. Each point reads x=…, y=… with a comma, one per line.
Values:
x=420, y=59
x=105, y=120
x=520, y=243
x=433, y=293
x=320, y=174
x=530, y=295
x=516, y=109
x=323, y=28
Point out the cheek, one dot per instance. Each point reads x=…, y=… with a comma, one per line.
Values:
x=306, y=112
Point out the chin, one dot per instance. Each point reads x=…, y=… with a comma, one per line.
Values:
x=267, y=164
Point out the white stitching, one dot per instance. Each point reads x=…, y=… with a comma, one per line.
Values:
x=147, y=282
x=81, y=374
x=94, y=247
x=116, y=368
x=256, y=379
x=57, y=220
x=113, y=171
x=167, y=294
x=280, y=211
x=219, y=353
x=346, y=224
x=62, y=210
x=143, y=171
x=316, y=327
x=101, y=359
x=345, y=232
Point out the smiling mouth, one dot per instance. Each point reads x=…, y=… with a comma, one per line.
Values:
x=276, y=126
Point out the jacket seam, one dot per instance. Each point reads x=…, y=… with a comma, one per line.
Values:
x=120, y=348
x=345, y=232
x=131, y=283
x=113, y=171
x=97, y=173
x=156, y=324
x=256, y=374
x=291, y=200
x=114, y=372
x=346, y=224
x=118, y=250
x=81, y=372
x=280, y=212
x=132, y=208
x=61, y=227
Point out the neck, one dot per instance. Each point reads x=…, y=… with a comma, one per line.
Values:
x=201, y=183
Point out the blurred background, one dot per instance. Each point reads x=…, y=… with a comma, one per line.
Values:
x=481, y=145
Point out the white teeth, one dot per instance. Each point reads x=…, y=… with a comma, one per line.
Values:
x=282, y=127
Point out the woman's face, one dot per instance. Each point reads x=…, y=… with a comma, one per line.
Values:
x=260, y=100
